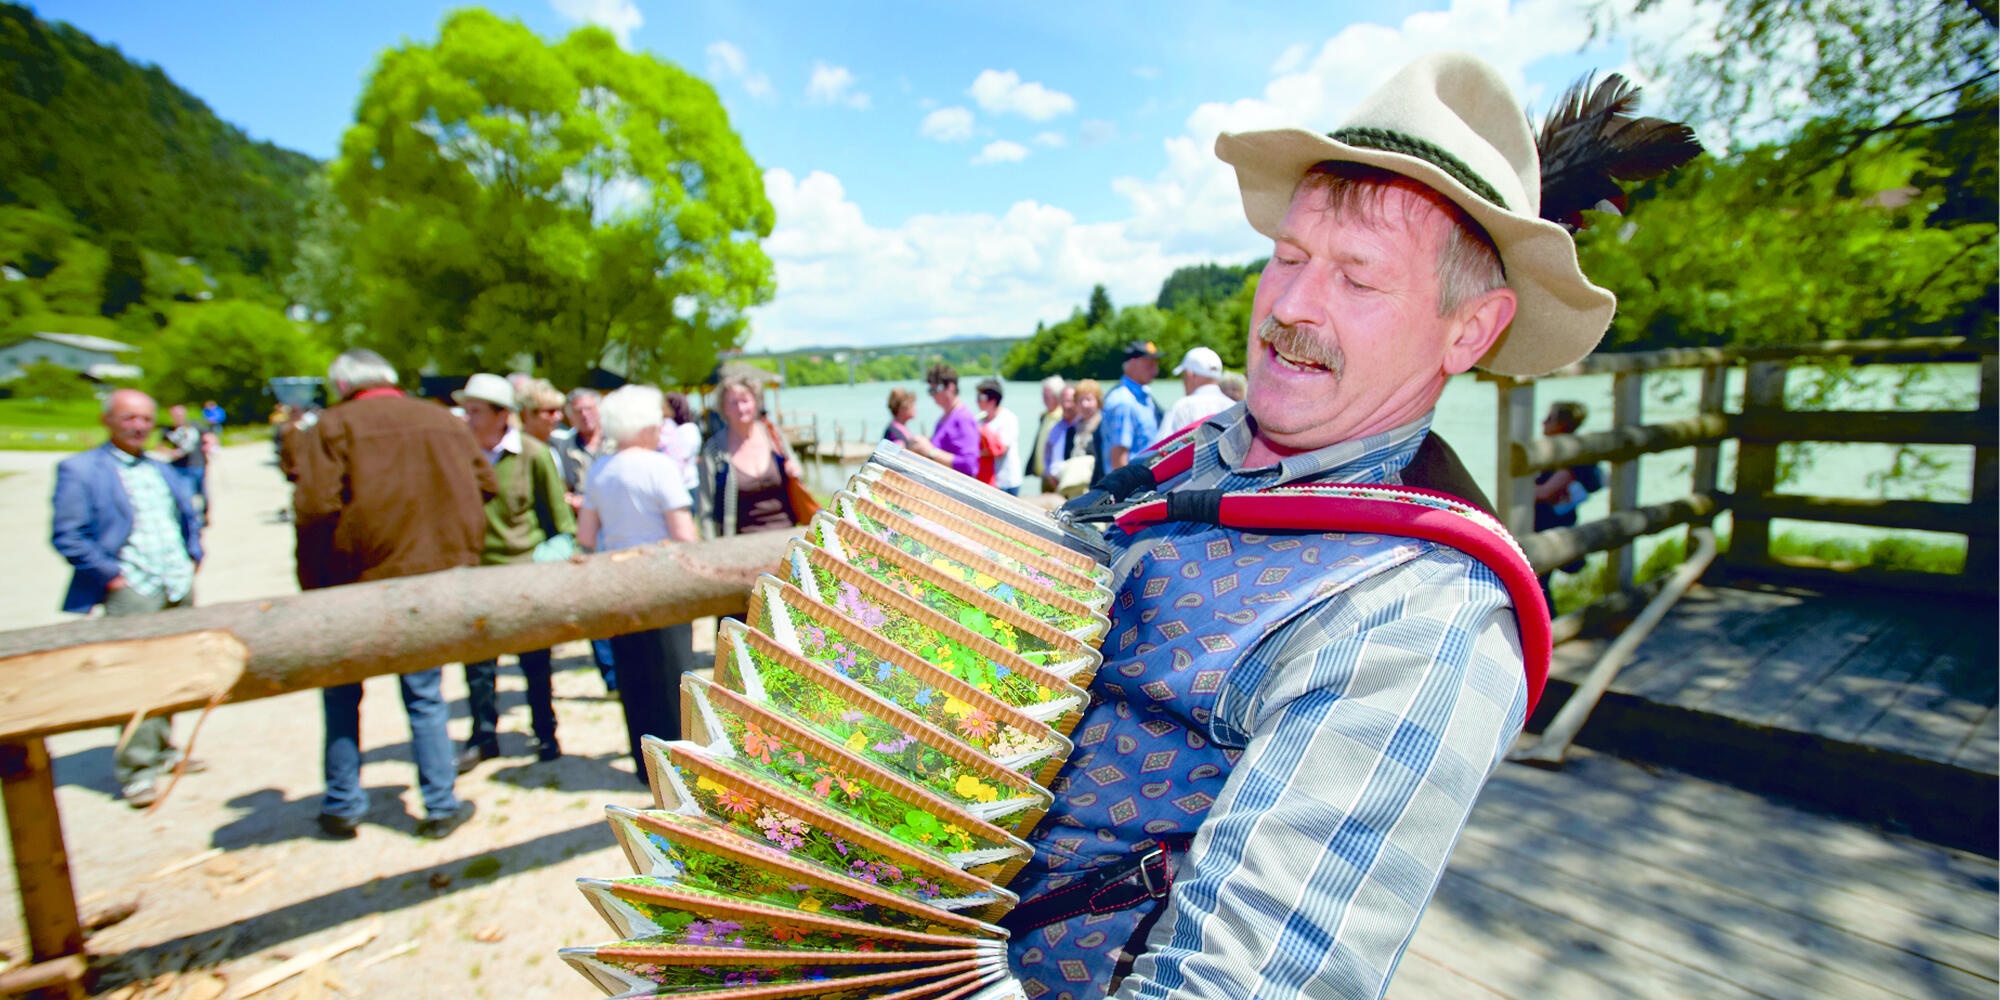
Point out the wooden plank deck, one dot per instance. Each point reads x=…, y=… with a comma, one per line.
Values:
x=1907, y=674
x=1608, y=879
x=1877, y=705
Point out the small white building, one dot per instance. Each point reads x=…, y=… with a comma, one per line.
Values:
x=96, y=357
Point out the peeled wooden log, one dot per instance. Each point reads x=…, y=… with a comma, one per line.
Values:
x=101, y=671
x=1548, y=549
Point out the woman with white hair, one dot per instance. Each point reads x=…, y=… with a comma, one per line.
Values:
x=637, y=496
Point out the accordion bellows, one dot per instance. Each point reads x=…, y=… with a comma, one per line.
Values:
x=875, y=743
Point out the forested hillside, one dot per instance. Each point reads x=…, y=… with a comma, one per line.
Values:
x=129, y=210
x=133, y=163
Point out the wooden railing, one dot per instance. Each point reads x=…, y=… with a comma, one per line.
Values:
x=1761, y=425
x=99, y=671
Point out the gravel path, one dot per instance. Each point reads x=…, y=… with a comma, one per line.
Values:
x=485, y=908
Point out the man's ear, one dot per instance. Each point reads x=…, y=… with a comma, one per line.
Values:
x=1478, y=325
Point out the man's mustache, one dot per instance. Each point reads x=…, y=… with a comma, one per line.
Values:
x=1299, y=344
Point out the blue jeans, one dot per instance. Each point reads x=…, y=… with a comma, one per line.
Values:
x=429, y=744
x=483, y=699
x=607, y=667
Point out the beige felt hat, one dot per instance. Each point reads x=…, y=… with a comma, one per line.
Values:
x=1449, y=121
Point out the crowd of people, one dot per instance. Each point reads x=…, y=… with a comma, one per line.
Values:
x=1084, y=432
x=508, y=470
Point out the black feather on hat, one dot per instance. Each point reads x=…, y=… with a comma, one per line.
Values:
x=1593, y=139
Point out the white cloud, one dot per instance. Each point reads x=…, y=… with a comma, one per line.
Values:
x=1052, y=140
x=1193, y=200
x=1001, y=151
x=835, y=85
x=727, y=62
x=620, y=17
x=1146, y=72
x=1002, y=92
x=1292, y=58
x=953, y=124
x=843, y=281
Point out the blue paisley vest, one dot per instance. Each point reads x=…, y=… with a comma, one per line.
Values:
x=1149, y=762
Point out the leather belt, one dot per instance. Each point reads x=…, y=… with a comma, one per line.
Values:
x=1109, y=889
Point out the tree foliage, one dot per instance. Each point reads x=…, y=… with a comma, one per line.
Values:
x=227, y=351
x=54, y=383
x=1078, y=348
x=1204, y=282
x=132, y=161
x=572, y=202
x=1726, y=253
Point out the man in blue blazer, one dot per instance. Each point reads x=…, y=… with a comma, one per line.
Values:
x=127, y=523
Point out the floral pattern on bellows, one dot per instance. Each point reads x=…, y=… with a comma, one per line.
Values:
x=692, y=866
x=849, y=722
x=753, y=817
x=696, y=978
x=985, y=534
x=686, y=923
x=806, y=768
x=822, y=638
x=1088, y=596
x=948, y=604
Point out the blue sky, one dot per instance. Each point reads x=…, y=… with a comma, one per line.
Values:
x=938, y=170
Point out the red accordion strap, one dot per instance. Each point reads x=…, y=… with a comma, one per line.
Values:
x=1388, y=510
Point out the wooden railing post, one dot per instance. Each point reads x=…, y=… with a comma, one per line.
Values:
x=1514, y=495
x=1708, y=457
x=1757, y=465
x=1627, y=400
x=1982, y=555
x=41, y=865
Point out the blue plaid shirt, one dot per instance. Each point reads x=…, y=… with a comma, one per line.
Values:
x=155, y=557
x=1368, y=727
x=1129, y=418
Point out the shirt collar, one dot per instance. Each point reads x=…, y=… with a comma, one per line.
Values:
x=1138, y=390
x=1344, y=461
x=123, y=457
x=510, y=443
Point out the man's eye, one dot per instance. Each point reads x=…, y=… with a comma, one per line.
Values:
x=1351, y=283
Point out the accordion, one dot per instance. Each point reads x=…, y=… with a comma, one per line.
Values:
x=883, y=726
x=875, y=742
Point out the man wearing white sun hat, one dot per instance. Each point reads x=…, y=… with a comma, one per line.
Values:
x=1289, y=729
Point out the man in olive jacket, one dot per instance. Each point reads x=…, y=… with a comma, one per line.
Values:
x=387, y=486
x=528, y=510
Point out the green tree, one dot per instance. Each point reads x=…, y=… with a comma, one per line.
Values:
x=227, y=351
x=1100, y=307
x=572, y=202
x=42, y=380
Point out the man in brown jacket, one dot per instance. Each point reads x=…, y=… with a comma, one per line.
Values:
x=387, y=486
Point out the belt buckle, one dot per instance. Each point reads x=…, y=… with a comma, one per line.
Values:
x=1146, y=878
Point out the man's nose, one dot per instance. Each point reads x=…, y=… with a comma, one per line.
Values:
x=1301, y=300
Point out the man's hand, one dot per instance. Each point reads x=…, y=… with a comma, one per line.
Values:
x=117, y=583
x=1119, y=456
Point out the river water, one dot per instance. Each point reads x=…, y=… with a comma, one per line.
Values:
x=1467, y=414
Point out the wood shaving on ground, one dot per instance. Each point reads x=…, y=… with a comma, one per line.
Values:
x=261, y=981
x=187, y=862
x=397, y=952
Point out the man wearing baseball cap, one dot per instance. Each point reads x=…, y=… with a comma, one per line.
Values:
x=1201, y=374
x=1131, y=417
x=1290, y=727
x=528, y=509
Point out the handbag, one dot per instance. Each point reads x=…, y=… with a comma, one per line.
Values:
x=801, y=500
